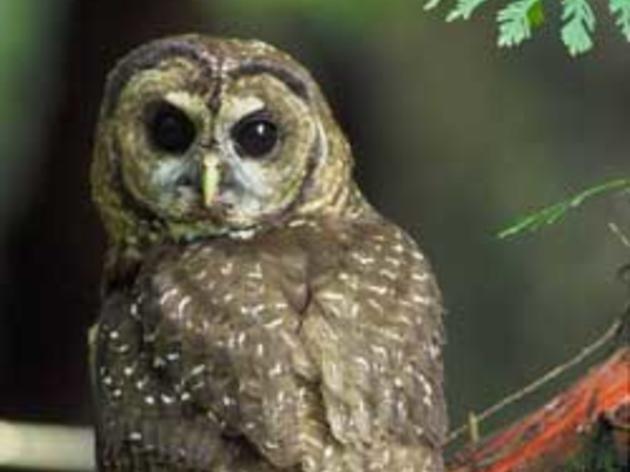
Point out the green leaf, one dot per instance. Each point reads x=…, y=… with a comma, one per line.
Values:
x=536, y=15
x=621, y=9
x=551, y=214
x=516, y=22
x=431, y=4
x=464, y=9
x=579, y=24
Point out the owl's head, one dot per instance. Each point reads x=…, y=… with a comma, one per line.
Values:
x=200, y=136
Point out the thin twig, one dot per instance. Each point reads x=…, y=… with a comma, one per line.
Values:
x=587, y=351
x=619, y=233
x=473, y=427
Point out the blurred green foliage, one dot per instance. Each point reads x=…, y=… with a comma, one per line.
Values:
x=347, y=14
x=18, y=25
x=24, y=59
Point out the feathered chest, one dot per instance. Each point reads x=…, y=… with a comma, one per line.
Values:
x=284, y=340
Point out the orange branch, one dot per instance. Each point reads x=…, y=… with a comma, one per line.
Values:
x=553, y=433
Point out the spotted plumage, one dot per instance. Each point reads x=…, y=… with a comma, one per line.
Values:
x=258, y=314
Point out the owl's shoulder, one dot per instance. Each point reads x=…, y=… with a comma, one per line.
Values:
x=313, y=245
x=368, y=246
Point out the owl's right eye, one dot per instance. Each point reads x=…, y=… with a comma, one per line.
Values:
x=255, y=135
x=170, y=129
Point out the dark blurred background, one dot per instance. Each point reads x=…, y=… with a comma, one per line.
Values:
x=453, y=138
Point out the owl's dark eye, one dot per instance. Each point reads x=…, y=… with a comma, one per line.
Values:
x=170, y=130
x=255, y=135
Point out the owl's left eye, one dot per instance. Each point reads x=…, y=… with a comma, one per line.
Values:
x=170, y=129
x=255, y=135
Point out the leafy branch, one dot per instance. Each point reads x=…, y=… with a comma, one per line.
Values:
x=620, y=9
x=516, y=21
x=553, y=213
x=579, y=23
x=519, y=18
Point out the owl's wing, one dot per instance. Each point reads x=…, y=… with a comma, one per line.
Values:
x=207, y=338
x=141, y=421
x=255, y=356
x=374, y=329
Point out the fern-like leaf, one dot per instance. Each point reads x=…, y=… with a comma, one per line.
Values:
x=621, y=10
x=553, y=213
x=431, y=4
x=516, y=22
x=463, y=9
x=579, y=24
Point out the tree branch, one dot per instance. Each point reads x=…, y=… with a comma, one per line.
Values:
x=560, y=430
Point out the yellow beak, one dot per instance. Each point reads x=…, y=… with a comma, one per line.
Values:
x=210, y=179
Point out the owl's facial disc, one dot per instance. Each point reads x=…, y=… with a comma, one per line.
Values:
x=235, y=166
x=207, y=137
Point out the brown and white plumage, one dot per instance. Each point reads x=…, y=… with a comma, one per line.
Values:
x=284, y=327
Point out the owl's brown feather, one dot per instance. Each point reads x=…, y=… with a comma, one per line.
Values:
x=314, y=346
x=258, y=314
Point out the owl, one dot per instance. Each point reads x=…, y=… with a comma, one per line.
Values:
x=257, y=313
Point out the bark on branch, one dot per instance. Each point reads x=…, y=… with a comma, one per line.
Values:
x=562, y=431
